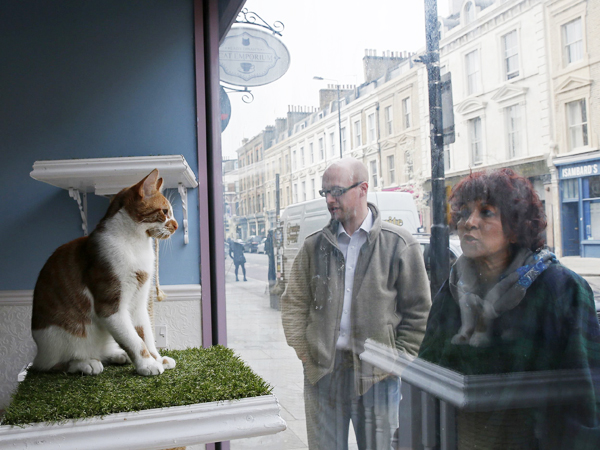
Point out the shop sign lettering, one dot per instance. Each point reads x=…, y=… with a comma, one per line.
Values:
x=579, y=171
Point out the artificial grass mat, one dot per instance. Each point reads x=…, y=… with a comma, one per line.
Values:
x=201, y=376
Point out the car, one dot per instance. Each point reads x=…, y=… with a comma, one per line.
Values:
x=424, y=240
x=261, y=246
x=251, y=244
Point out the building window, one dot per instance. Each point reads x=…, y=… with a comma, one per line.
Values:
x=295, y=193
x=475, y=140
x=513, y=130
x=344, y=144
x=389, y=117
x=321, y=149
x=313, y=188
x=302, y=161
x=447, y=160
x=280, y=166
x=373, y=165
x=572, y=36
x=406, y=112
x=391, y=169
x=371, y=127
x=511, y=55
x=304, y=191
x=577, y=121
x=294, y=160
x=472, y=71
x=357, y=140
x=287, y=163
x=288, y=195
x=311, y=150
x=332, y=143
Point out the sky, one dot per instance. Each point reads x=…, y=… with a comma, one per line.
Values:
x=325, y=38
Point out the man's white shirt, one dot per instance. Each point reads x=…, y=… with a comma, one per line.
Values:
x=350, y=247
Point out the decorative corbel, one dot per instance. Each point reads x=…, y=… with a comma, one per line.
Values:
x=183, y=193
x=74, y=194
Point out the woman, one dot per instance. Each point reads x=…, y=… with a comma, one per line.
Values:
x=510, y=306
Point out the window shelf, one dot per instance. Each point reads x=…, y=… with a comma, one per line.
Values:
x=107, y=176
x=154, y=429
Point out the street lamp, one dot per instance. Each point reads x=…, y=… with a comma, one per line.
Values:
x=337, y=86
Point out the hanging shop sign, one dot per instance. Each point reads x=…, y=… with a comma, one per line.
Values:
x=252, y=57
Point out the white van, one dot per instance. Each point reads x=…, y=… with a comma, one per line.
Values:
x=301, y=219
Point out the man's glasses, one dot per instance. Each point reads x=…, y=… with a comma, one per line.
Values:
x=337, y=191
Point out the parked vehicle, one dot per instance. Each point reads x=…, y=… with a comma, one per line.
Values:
x=261, y=246
x=251, y=244
x=301, y=219
x=425, y=238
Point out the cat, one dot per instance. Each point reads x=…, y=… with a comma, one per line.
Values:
x=90, y=302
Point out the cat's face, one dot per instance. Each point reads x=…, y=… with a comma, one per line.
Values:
x=147, y=206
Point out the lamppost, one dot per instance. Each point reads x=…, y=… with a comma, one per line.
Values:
x=339, y=107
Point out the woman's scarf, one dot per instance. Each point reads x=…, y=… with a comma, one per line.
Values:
x=525, y=267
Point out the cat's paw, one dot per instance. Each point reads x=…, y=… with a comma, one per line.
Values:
x=460, y=339
x=150, y=367
x=480, y=340
x=87, y=367
x=118, y=358
x=167, y=363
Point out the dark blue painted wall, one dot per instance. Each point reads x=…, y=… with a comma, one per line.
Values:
x=90, y=79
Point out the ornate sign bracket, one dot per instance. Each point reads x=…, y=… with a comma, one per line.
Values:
x=251, y=18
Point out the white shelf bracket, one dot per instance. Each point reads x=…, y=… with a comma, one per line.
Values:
x=74, y=194
x=183, y=193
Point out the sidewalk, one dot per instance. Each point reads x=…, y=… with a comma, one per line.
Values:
x=255, y=333
x=586, y=267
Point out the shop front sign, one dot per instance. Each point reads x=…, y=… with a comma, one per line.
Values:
x=581, y=170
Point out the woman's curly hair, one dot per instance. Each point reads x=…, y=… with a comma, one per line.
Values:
x=522, y=213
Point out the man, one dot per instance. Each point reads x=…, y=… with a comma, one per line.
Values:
x=358, y=278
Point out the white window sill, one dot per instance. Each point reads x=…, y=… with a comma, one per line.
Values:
x=154, y=429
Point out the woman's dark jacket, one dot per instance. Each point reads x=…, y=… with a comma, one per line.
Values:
x=554, y=327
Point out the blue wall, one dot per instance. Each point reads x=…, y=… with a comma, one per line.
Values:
x=90, y=79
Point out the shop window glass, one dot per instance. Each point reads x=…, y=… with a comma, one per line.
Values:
x=570, y=189
x=255, y=308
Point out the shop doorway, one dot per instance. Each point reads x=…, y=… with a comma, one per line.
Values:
x=570, y=229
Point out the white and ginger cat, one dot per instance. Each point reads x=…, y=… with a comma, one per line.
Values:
x=91, y=297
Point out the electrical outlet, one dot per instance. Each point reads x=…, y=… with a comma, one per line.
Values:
x=160, y=336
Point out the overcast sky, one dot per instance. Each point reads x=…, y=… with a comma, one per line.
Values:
x=325, y=38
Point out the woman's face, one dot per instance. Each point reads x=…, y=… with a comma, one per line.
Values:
x=481, y=234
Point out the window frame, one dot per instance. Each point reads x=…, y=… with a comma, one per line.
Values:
x=373, y=170
x=371, y=128
x=479, y=142
x=566, y=46
x=406, y=112
x=584, y=124
x=391, y=166
x=389, y=119
x=473, y=77
x=516, y=55
x=516, y=149
x=357, y=133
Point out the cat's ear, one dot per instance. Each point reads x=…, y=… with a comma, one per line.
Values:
x=150, y=185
